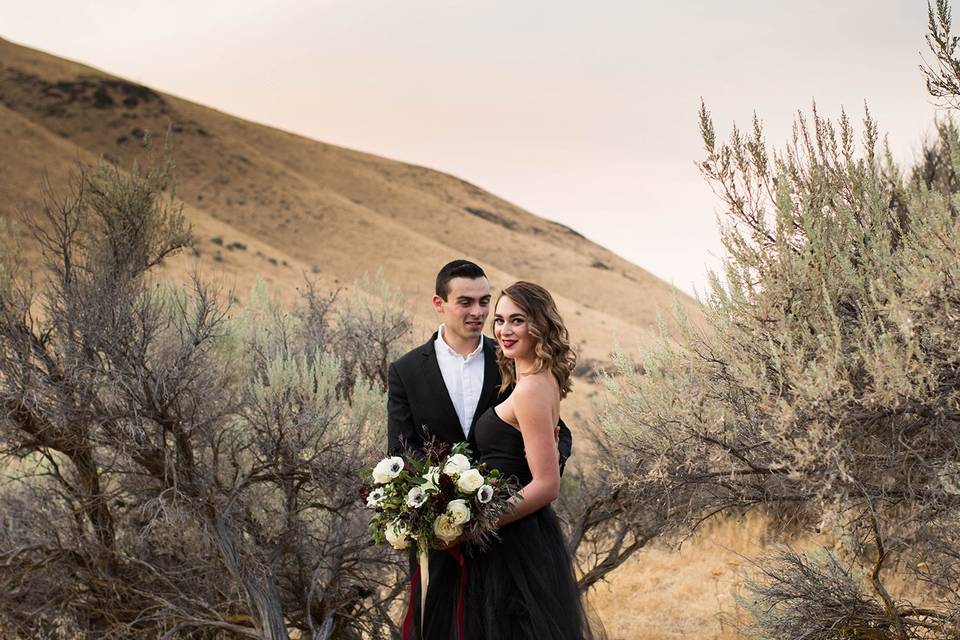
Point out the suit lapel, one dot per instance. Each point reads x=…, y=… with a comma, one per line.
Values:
x=449, y=430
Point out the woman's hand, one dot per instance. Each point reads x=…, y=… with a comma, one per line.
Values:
x=440, y=545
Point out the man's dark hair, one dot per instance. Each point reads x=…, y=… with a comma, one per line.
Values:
x=456, y=269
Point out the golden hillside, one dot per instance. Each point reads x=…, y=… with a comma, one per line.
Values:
x=299, y=206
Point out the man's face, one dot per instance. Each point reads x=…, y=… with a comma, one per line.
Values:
x=466, y=308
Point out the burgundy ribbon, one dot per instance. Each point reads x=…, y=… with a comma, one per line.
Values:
x=413, y=602
x=461, y=598
x=457, y=553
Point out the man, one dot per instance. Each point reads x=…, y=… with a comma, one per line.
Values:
x=439, y=389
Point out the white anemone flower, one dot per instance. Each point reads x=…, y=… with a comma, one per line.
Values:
x=485, y=494
x=416, y=497
x=375, y=497
x=387, y=469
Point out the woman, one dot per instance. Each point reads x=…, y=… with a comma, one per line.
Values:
x=523, y=586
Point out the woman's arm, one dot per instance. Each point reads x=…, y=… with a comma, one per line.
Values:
x=533, y=405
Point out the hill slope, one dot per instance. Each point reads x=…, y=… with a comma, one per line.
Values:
x=302, y=206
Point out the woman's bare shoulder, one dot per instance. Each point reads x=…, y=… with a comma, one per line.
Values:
x=536, y=392
x=536, y=386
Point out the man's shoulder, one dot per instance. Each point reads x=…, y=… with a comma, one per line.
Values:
x=414, y=356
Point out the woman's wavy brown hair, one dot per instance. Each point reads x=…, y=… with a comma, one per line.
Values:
x=552, y=342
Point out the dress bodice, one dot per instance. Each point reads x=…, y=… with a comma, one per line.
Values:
x=500, y=446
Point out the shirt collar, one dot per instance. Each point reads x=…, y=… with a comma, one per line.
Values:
x=442, y=344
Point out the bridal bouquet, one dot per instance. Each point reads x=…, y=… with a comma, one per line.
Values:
x=438, y=499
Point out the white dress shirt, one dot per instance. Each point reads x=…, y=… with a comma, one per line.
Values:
x=463, y=376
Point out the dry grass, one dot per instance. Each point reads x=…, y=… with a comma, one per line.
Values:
x=665, y=593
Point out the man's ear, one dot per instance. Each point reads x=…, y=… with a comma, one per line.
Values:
x=438, y=303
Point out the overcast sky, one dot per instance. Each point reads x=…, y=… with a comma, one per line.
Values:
x=581, y=112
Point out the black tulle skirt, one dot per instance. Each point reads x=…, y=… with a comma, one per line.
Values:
x=522, y=587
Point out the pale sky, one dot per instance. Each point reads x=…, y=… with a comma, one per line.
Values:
x=581, y=112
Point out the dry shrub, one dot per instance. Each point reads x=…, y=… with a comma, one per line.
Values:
x=171, y=471
x=827, y=388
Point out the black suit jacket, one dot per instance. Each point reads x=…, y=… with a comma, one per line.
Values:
x=419, y=405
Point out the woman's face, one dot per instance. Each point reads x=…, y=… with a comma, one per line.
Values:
x=511, y=330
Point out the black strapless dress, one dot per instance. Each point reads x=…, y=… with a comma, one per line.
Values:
x=523, y=586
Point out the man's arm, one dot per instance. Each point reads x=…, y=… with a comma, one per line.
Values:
x=564, y=444
x=402, y=434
